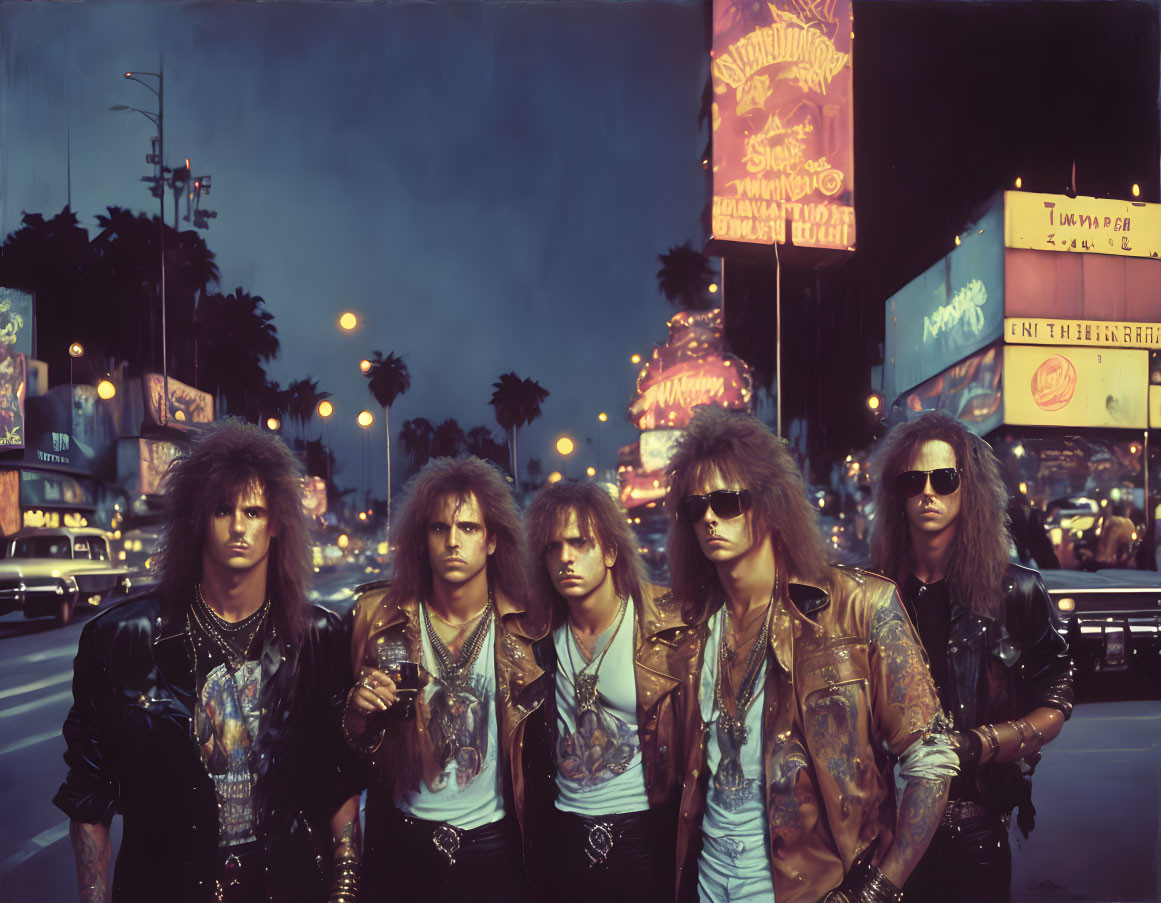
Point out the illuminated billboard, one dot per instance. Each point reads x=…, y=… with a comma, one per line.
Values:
x=156, y=456
x=1056, y=222
x=13, y=386
x=186, y=404
x=969, y=391
x=782, y=121
x=1072, y=386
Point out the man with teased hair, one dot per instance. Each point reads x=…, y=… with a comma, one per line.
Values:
x=991, y=633
x=201, y=709
x=623, y=710
x=812, y=685
x=447, y=804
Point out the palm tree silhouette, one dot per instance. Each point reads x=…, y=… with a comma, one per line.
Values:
x=448, y=440
x=517, y=402
x=302, y=402
x=387, y=379
x=416, y=437
x=684, y=278
x=236, y=334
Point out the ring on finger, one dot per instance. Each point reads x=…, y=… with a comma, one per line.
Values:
x=369, y=683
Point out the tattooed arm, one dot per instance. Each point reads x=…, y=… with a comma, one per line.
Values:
x=346, y=836
x=919, y=814
x=92, y=851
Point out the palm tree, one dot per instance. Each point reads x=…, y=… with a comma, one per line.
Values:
x=517, y=402
x=482, y=443
x=236, y=335
x=684, y=278
x=303, y=398
x=416, y=438
x=387, y=379
x=448, y=440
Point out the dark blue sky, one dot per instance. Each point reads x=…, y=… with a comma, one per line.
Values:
x=487, y=183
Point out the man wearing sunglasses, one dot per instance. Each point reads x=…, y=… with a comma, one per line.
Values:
x=992, y=636
x=812, y=684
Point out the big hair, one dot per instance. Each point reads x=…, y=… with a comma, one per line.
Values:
x=743, y=449
x=224, y=461
x=459, y=478
x=978, y=553
x=599, y=519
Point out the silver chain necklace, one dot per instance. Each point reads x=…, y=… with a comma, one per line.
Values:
x=584, y=680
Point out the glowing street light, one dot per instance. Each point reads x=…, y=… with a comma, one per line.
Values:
x=635, y=359
x=1136, y=190
x=76, y=349
x=555, y=477
x=713, y=288
x=365, y=419
x=603, y=417
x=874, y=401
x=273, y=424
x=325, y=408
x=106, y=390
x=348, y=321
x=343, y=541
x=565, y=446
x=365, y=365
x=592, y=471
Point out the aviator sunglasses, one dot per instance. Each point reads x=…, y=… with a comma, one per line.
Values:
x=944, y=481
x=725, y=503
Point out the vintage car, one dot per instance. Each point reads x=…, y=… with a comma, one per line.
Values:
x=50, y=571
x=1113, y=618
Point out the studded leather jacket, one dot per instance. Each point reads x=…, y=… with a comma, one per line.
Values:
x=1002, y=669
x=846, y=690
x=131, y=749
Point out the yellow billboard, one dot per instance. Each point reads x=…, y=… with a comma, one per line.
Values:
x=1048, y=385
x=1067, y=331
x=1154, y=407
x=1056, y=222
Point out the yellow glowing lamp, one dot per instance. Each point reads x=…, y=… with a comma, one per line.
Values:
x=365, y=365
x=592, y=471
x=76, y=349
x=343, y=541
x=1136, y=190
x=565, y=446
x=106, y=389
x=555, y=477
x=1019, y=182
x=362, y=515
x=325, y=408
x=874, y=402
x=272, y=424
x=713, y=287
x=602, y=417
x=365, y=419
x=348, y=321
x=635, y=359
x=1066, y=604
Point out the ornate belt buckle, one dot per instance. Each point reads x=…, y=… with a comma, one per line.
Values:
x=599, y=842
x=447, y=839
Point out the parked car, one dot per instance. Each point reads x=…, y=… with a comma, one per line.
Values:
x=1113, y=619
x=50, y=571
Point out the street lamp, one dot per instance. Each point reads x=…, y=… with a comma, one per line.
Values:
x=601, y=418
x=365, y=419
x=325, y=409
x=273, y=424
x=348, y=321
x=365, y=365
x=106, y=389
x=565, y=446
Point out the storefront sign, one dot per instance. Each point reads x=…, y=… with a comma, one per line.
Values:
x=1040, y=331
x=12, y=391
x=1056, y=222
x=782, y=123
x=156, y=456
x=668, y=401
x=1070, y=386
x=1154, y=407
x=17, y=311
x=35, y=517
x=969, y=391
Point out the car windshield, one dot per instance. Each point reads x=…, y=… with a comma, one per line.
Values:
x=42, y=547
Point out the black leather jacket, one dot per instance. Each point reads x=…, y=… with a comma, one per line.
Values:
x=1002, y=669
x=131, y=750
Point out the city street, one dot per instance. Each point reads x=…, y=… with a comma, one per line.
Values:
x=1097, y=792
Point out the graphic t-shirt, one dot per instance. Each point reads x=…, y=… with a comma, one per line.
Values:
x=733, y=828
x=598, y=753
x=467, y=793
x=226, y=719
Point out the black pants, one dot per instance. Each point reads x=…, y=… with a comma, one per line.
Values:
x=401, y=862
x=639, y=866
x=968, y=861
x=240, y=873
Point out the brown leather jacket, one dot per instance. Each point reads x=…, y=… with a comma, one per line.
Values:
x=846, y=678
x=521, y=683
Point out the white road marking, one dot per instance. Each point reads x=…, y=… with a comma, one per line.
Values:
x=26, y=742
x=43, y=656
x=52, y=681
x=37, y=844
x=36, y=704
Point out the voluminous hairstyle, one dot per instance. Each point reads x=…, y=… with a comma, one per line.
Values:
x=741, y=449
x=459, y=478
x=599, y=519
x=978, y=553
x=224, y=461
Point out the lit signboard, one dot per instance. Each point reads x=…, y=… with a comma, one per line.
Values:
x=17, y=312
x=12, y=389
x=667, y=400
x=1056, y=222
x=782, y=123
x=1052, y=331
x=156, y=456
x=1070, y=386
x=969, y=391
x=186, y=404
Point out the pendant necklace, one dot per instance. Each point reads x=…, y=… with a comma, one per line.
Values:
x=732, y=730
x=585, y=680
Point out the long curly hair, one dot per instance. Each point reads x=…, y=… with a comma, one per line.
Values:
x=978, y=553
x=225, y=460
x=599, y=519
x=741, y=448
x=459, y=478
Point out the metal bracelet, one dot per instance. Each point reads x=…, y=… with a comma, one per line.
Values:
x=989, y=733
x=365, y=747
x=879, y=889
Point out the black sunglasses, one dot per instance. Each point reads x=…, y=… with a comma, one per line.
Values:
x=944, y=481
x=725, y=503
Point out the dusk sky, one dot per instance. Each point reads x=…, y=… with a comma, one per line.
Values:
x=488, y=184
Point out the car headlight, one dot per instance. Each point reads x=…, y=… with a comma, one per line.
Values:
x=1067, y=603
